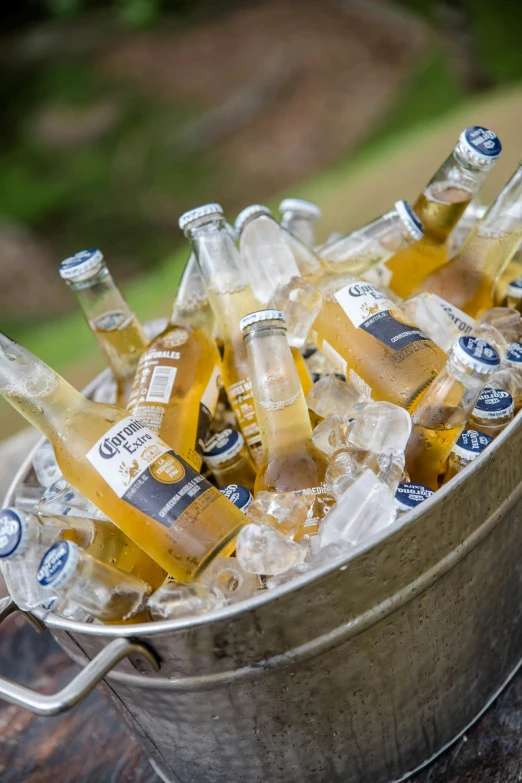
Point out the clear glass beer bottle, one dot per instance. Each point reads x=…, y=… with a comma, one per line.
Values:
x=118, y=332
x=121, y=466
x=441, y=205
x=300, y=217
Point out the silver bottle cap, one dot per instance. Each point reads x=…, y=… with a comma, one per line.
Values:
x=299, y=205
x=479, y=146
x=476, y=354
x=410, y=219
x=248, y=213
x=199, y=212
x=261, y=315
x=82, y=265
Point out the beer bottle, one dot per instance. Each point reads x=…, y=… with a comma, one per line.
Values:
x=269, y=260
x=118, y=332
x=493, y=411
x=231, y=297
x=227, y=457
x=514, y=295
x=467, y=281
x=299, y=217
x=441, y=205
x=291, y=462
x=509, y=376
x=239, y=496
x=132, y=476
x=102, y=590
x=364, y=252
x=443, y=410
x=408, y=496
x=177, y=381
x=376, y=343
x=467, y=448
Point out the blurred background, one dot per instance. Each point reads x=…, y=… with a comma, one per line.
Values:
x=118, y=116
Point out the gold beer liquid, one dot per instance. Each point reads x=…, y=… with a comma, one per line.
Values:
x=107, y=543
x=429, y=446
x=121, y=339
x=394, y=374
x=468, y=280
x=184, y=535
x=439, y=209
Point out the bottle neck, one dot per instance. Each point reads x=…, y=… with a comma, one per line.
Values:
x=301, y=225
x=42, y=396
x=191, y=305
x=447, y=195
x=218, y=259
x=281, y=409
x=368, y=246
x=266, y=256
x=495, y=238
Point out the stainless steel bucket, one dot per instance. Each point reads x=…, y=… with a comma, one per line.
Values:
x=361, y=672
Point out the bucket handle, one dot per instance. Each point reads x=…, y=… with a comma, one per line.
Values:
x=81, y=685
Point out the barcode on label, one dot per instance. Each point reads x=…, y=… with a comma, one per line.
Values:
x=161, y=384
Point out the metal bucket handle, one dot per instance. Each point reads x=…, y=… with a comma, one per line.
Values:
x=83, y=683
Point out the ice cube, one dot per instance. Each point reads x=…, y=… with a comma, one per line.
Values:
x=345, y=466
x=300, y=302
x=426, y=312
x=45, y=465
x=284, y=511
x=233, y=582
x=381, y=426
x=364, y=509
x=61, y=499
x=154, y=327
x=329, y=554
x=261, y=549
x=490, y=334
x=177, y=599
x=317, y=363
x=332, y=397
x=332, y=434
x=391, y=468
x=287, y=576
x=507, y=320
x=509, y=379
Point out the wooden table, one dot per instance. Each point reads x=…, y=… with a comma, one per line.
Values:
x=90, y=744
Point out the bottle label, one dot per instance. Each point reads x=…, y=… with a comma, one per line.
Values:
x=370, y=310
x=493, y=403
x=242, y=401
x=10, y=532
x=409, y=496
x=207, y=408
x=462, y=321
x=142, y=470
x=361, y=384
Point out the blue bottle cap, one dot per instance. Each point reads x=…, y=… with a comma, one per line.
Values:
x=238, y=495
x=515, y=288
x=82, y=265
x=222, y=446
x=409, y=495
x=476, y=354
x=514, y=354
x=493, y=404
x=11, y=532
x=58, y=564
x=479, y=146
x=410, y=219
x=471, y=443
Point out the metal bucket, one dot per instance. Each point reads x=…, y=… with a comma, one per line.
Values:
x=363, y=671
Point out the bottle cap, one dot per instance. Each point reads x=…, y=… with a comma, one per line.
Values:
x=409, y=495
x=82, y=265
x=476, y=354
x=247, y=214
x=299, y=205
x=238, y=495
x=13, y=524
x=199, y=212
x=515, y=288
x=222, y=446
x=261, y=315
x=470, y=444
x=410, y=219
x=494, y=404
x=479, y=146
x=58, y=564
x=514, y=354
